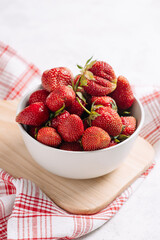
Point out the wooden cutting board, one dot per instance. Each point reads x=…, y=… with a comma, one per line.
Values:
x=75, y=196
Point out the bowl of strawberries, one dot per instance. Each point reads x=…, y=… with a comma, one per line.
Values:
x=80, y=127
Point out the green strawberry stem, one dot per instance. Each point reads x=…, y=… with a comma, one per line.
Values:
x=54, y=114
x=124, y=113
x=88, y=61
x=59, y=110
x=123, y=127
x=80, y=95
x=114, y=105
x=120, y=138
x=85, y=73
x=123, y=137
x=92, y=114
x=83, y=106
x=80, y=67
x=93, y=108
x=75, y=85
x=36, y=132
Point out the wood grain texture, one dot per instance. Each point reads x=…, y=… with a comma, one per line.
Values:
x=75, y=196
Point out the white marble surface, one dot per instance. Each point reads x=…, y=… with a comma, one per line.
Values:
x=124, y=33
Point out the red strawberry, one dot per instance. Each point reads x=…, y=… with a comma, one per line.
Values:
x=60, y=96
x=109, y=120
x=105, y=101
x=75, y=107
x=38, y=96
x=97, y=78
x=56, y=120
x=49, y=136
x=123, y=94
x=105, y=118
x=99, y=86
x=35, y=114
x=130, y=125
x=74, y=146
x=71, y=128
x=103, y=70
x=55, y=77
x=95, y=138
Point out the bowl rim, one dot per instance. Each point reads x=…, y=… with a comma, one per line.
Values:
x=80, y=152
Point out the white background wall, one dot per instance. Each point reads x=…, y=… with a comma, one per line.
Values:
x=50, y=33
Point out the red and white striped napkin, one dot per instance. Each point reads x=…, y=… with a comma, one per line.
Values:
x=25, y=211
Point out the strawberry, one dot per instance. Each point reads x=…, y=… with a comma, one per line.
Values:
x=56, y=120
x=75, y=107
x=123, y=94
x=49, y=136
x=97, y=78
x=74, y=146
x=71, y=128
x=35, y=114
x=95, y=138
x=129, y=125
x=38, y=96
x=107, y=119
x=62, y=95
x=55, y=77
x=103, y=70
x=106, y=101
x=99, y=86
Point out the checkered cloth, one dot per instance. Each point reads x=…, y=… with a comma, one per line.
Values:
x=25, y=211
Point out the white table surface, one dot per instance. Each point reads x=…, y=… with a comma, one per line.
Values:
x=126, y=34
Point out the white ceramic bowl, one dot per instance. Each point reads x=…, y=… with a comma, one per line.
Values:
x=85, y=164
